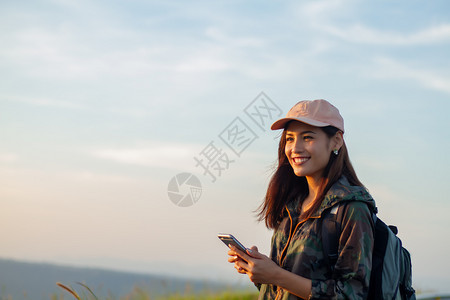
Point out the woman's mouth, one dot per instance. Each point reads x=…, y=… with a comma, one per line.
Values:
x=300, y=160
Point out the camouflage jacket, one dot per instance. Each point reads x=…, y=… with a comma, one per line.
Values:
x=297, y=247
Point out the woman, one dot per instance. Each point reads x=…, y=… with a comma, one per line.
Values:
x=314, y=174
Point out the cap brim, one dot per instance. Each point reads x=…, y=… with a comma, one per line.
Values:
x=281, y=123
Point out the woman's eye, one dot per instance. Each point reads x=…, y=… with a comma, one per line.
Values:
x=289, y=139
x=307, y=137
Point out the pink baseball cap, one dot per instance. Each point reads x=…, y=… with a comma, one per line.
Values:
x=318, y=113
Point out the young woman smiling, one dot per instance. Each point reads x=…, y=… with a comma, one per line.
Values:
x=314, y=174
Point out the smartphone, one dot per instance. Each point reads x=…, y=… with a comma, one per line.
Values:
x=229, y=239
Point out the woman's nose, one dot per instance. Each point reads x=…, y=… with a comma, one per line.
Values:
x=297, y=147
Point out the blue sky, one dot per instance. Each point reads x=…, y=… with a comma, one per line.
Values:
x=102, y=103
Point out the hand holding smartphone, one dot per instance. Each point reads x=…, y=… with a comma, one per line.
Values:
x=229, y=239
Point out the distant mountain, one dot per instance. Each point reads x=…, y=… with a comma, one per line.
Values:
x=24, y=280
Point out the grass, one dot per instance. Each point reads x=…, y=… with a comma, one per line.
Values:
x=219, y=296
x=85, y=293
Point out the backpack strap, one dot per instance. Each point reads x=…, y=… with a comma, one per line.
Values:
x=331, y=231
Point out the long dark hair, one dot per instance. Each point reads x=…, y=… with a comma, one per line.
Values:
x=285, y=186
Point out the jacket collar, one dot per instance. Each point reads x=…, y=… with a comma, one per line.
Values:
x=339, y=192
x=342, y=191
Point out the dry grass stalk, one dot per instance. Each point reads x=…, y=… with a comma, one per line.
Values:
x=69, y=290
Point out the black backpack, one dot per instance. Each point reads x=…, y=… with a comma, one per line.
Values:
x=391, y=275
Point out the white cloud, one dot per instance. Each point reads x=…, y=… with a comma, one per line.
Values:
x=387, y=68
x=170, y=156
x=8, y=158
x=45, y=101
x=89, y=176
x=64, y=54
x=321, y=15
x=320, y=9
x=234, y=41
x=204, y=62
x=362, y=34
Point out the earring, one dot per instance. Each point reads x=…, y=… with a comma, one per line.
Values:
x=336, y=151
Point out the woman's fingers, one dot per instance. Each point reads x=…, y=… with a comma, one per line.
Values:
x=240, y=269
x=233, y=259
x=244, y=262
x=234, y=251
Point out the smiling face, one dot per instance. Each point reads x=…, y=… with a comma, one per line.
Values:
x=308, y=149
